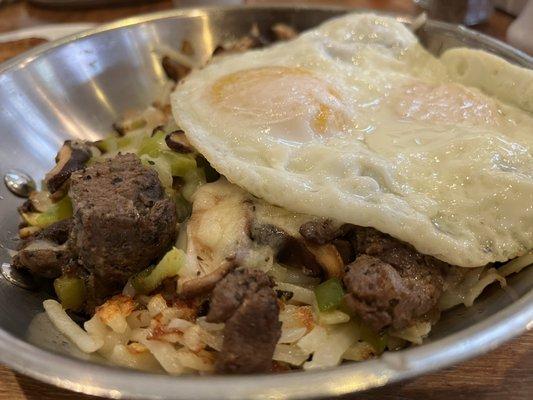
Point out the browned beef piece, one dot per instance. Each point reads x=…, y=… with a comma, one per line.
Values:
x=246, y=302
x=123, y=221
x=390, y=283
x=392, y=251
x=97, y=290
x=46, y=253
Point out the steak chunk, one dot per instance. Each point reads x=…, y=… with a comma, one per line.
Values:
x=390, y=283
x=46, y=253
x=123, y=221
x=245, y=300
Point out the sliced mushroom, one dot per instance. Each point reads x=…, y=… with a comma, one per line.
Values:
x=218, y=51
x=40, y=200
x=259, y=39
x=217, y=233
x=26, y=207
x=45, y=252
x=206, y=283
x=150, y=118
x=283, y=31
x=26, y=232
x=71, y=157
x=302, y=240
x=329, y=259
x=187, y=48
x=173, y=69
x=287, y=248
x=43, y=258
x=177, y=141
x=253, y=40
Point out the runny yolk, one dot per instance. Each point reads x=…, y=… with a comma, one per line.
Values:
x=279, y=93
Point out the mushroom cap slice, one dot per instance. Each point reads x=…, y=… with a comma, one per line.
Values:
x=72, y=157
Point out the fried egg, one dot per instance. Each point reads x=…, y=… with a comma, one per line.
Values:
x=355, y=121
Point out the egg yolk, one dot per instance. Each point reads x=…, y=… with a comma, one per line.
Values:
x=445, y=104
x=291, y=100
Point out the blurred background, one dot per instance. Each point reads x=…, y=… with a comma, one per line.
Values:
x=24, y=24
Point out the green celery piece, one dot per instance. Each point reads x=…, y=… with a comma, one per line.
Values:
x=57, y=212
x=193, y=180
x=70, y=291
x=378, y=340
x=329, y=294
x=148, y=280
x=154, y=145
x=108, y=144
x=180, y=164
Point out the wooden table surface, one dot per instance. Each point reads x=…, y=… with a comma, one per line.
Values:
x=503, y=374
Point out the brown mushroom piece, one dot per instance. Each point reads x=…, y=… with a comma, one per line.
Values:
x=177, y=141
x=46, y=253
x=287, y=248
x=283, y=31
x=72, y=157
x=329, y=258
x=301, y=240
x=173, y=69
x=206, y=283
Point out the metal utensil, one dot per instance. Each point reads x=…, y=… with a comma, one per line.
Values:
x=76, y=87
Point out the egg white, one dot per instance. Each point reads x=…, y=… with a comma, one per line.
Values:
x=355, y=121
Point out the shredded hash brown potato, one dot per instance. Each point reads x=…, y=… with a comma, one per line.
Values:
x=145, y=333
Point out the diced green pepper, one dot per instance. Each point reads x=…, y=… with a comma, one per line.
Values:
x=148, y=280
x=154, y=145
x=180, y=164
x=108, y=144
x=193, y=180
x=378, y=340
x=70, y=291
x=329, y=294
x=56, y=212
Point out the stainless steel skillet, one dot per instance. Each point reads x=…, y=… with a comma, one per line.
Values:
x=77, y=87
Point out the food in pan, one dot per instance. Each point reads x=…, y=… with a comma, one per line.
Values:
x=289, y=205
